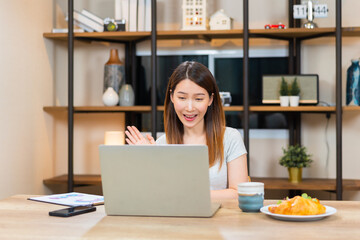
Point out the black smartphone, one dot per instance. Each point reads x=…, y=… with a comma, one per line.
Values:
x=68, y=212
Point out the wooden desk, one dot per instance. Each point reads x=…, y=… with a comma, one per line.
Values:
x=24, y=219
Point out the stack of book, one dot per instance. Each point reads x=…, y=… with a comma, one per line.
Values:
x=136, y=13
x=88, y=21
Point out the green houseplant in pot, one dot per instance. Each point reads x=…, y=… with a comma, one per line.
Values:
x=295, y=158
x=284, y=93
x=294, y=94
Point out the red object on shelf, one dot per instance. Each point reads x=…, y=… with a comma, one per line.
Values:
x=271, y=26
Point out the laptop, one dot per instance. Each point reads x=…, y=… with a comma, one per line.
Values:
x=156, y=180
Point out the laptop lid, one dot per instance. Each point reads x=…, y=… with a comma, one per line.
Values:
x=156, y=180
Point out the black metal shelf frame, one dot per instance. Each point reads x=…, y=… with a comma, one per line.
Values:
x=130, y=69
x=71, y=96
x=338, y=37
x=294, y=67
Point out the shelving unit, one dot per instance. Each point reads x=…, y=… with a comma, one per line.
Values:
x=285, y=34
x=302, y=109
x=351, y=108
x=93, y=109
x=292, y=34
x=204, y=35
x=270, y=183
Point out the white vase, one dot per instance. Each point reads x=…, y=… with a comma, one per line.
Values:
x=127, y=96
x=110, y=97
x=284, y=101
x=294, y=101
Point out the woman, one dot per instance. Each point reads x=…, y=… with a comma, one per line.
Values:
x=194, y=115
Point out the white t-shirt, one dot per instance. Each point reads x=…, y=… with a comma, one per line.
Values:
x=233, y=148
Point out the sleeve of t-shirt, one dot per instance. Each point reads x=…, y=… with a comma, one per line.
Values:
x=233, y=144
x=161, y=139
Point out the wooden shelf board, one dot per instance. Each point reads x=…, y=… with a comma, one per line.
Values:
x=351, y=31
x=233, y=108
x=292, y=32
x=292, y=109
x=54, y=109
x=204, y=34
x=307, y=184
x=95, y=109
x=208, y=34
x=351, y=108
x=130, y=36
x=79, y=179
x=111, y=36
x=270, y=183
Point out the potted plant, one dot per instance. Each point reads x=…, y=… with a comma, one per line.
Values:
x=284, y=93
x=294, y=94
x=295, y=158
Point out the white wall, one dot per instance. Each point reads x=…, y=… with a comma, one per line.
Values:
x=33, y=74
x=34, y=143
x=26, y=86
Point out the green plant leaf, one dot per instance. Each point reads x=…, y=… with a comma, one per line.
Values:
x=295, y=156
x=284, y=89
x=295, y=89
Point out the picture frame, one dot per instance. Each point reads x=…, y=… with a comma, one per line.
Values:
x=308, y=83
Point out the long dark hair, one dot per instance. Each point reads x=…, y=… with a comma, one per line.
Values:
x=214, y=118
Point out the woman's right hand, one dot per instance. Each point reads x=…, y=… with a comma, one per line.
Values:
x=134, y=137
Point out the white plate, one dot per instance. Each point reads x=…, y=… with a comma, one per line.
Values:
x=298, y=218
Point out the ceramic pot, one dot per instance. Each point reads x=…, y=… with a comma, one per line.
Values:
x=127, y=96
x=284, y=101
x=353, y=83
x=294, y=101
x=110, y=97
x=114, y=72
x=295, y=174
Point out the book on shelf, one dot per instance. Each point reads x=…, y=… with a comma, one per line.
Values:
x=83, y=26
x=125, y=13
x=141, y=16
x=93, y=17
x=80, y=25
x=71, y=199
x=65, y=30
x=148, y=15
x=87, y=23
x=133, y=8
x=118, y=9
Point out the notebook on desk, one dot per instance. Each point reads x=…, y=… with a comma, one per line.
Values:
x=156, y=180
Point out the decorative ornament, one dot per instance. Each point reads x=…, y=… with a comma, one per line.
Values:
x=127, y=96
x=220, y=21
x=194, y=15
x=353, y=83
x=114, y=72
x=110, y=97
x=310, y=16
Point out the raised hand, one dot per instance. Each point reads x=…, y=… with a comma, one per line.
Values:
x=134, y=137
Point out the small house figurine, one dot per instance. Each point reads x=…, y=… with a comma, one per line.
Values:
x=220, y=21
x=194, y=15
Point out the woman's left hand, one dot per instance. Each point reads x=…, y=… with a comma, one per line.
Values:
x=134, y=137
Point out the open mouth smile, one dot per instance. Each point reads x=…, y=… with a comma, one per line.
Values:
x=190, y=117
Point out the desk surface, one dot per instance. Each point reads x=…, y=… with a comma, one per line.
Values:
x=24, y=219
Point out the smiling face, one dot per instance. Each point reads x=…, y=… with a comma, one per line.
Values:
x=191, y=103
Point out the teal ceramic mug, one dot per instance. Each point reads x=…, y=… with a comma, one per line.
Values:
x=251, y=196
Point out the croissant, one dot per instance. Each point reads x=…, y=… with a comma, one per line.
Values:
x=299, y=206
